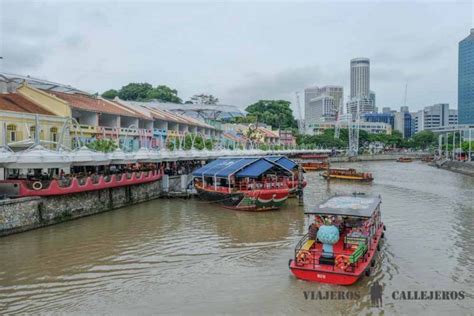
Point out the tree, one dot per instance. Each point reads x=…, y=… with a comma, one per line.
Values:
x=144, y=92
x=204, y=99
x=163, y=93
x=276, y=113
x=424, y=139
x=135, y=91
x=103, y=145
x=110, y=94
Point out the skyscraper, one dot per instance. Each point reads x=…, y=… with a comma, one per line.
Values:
x=360, y=78
x=466, y=80
x=362, y=99
x=322, y=103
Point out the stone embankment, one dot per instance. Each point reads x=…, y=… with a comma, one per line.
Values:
x=22, y=214
x=466, y=168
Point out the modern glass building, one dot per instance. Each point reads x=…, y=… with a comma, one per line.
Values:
x=466, y=80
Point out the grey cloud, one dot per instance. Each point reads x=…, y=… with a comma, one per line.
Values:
x=279, y=85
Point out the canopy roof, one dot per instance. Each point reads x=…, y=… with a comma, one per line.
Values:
x=283, y=161
x=251, y=167
x=355, y=206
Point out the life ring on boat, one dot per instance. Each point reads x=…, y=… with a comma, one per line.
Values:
x=37, y=185
x=304, y=257
x=342, y=262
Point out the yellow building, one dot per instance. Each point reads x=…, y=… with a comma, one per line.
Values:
x=18, y=115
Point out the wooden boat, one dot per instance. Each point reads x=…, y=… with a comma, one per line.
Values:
x=341, y=243
x=292, y=182
x=427, y=159
x=404, y=159
x=243, y=183
x=315, y=166
x=347, y=174
x=314, y=156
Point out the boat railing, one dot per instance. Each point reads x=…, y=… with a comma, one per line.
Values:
x=315, y=255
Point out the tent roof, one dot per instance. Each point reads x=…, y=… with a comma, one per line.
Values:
x=251, y=167
x=355, y=206
x=283, y=161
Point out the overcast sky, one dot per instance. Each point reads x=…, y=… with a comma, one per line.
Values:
x=239, y=51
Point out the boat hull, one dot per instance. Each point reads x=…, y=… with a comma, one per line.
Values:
x=257, y=200
x=342, y=177
x=332, y=275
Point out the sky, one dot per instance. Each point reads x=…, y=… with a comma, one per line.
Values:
x=240, y=52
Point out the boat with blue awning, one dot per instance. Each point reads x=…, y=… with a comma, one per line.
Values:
x=293, y=166
x=243, y=183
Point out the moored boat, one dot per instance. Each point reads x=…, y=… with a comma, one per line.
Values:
x=341, y=243
x=243, y=183
x=291, y=182
x=427, y=159
x=347, y=174
x=404, y=159
x=315, y=166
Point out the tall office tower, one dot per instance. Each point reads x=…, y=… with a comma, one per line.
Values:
x=466, y=80
x=372, y=97
x=360, y=77
x=309, y=93
x=321, y=103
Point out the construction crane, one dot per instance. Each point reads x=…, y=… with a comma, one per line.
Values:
x=300, y=120
x=339, y=112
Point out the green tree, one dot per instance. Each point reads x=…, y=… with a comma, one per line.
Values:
x=110, y=94
x=144, y=92
x=164, y=94
x=276, y=113
x=424, y=139
x=103, y=145
x=135, y=91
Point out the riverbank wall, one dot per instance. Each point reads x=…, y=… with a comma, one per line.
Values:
x=466, y=168
x=22, y=214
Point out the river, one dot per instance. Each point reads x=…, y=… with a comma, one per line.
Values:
x=187, y=256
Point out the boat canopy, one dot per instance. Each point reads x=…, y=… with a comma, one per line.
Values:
x=283, y=161
x=354, y=206
x=251, y=167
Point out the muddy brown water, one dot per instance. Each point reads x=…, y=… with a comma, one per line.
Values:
x=177, y=256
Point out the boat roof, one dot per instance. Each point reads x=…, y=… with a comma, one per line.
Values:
x=356, y=206
x=241, y=167
x=283, y=161
x=340, y=168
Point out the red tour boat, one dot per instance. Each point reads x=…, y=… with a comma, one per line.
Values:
x=341, y=242
x=243, y=183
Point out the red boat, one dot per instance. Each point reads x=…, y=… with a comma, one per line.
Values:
x=341, y=244
x=243, y=183
x=291, y=182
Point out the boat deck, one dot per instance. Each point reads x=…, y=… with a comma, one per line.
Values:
x=318, y=263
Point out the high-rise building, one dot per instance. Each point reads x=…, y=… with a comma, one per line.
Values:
x=362, y=99
x=322, y=103
x=372, y=97
x=466, y=80
x=360, y=105
x=435, y=116
x=403, y=123
x=360, y=77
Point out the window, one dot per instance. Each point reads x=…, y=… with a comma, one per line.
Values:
x=11, y=133
x=54, y=134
